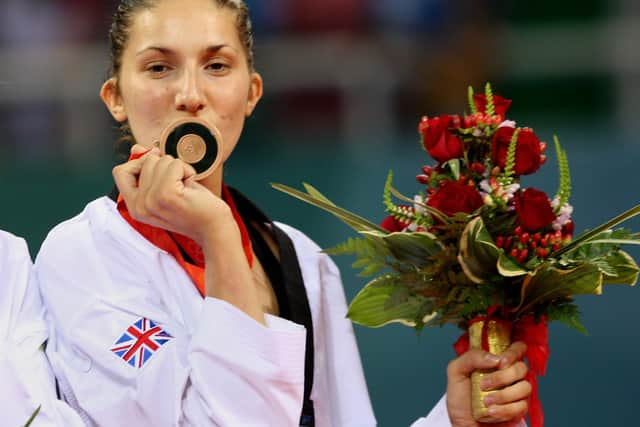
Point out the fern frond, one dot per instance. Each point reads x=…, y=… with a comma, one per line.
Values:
x=472, y=105
x=491, y=108
x=564, y=188
x=353, y=246
x=402, y=213
x=509, y=168
x=386, y=193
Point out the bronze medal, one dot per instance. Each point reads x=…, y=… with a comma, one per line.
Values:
x=195, y=142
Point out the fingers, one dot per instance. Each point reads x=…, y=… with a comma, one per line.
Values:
x=504, y=377
x=510, y=411
x=137, y=150
x=461, y=368
x=515, y=352
x=126, y=177
x=513, y=393
x=189, y=172
x=167, y=184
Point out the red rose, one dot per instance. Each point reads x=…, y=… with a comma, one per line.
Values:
x=528, y=152
x=567, y=229
x=534, y=210
x=439, y=142
x=501, y=105
x=453, y=197
x=392, y=225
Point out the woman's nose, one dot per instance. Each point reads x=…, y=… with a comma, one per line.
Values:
x=189, y=97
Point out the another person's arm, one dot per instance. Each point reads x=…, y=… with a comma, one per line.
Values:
x=26, y=382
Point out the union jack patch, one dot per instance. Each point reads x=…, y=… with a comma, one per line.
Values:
x=139, y=342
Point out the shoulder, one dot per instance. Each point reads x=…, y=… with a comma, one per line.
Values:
x=65, y=235
x=12, y=249
x=309, y=254
x=97, y=228
x=304, y=245
x=15, y=267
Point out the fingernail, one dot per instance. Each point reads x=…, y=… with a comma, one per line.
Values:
x=489, y=400
x=485, y=384
x=492, y=410
x=492, y=358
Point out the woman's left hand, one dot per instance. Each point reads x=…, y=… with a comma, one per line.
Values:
x=508, y=401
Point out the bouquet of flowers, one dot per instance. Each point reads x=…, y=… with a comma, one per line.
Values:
x=478, y=249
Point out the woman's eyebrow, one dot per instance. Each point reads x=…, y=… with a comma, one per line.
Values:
x=215, y=48
x=160, y=49
x=165, y=50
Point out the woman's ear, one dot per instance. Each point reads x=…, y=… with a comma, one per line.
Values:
x=112, y=99
x=255, y=93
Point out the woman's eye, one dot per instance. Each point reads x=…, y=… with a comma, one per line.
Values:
x=217, y=67
x=157, y=68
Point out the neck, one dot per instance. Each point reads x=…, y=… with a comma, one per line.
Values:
x=214, y=181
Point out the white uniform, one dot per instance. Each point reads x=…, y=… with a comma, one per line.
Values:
x=100, y=278
x=26, y=382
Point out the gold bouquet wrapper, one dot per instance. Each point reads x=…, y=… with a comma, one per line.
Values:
x=499, y=339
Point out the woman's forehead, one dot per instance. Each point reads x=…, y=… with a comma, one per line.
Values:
x=184, y=23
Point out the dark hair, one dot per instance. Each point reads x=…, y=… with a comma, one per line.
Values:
x=119, y=36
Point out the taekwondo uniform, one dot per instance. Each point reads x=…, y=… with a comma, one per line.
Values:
x=26, y=382
x=133, y=340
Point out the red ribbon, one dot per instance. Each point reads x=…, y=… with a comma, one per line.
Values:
x=172, y=242
x=535, y=336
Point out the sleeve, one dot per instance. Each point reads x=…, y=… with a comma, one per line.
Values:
x=347, y=389
x=125, y=347
x=27, y=381
x=439, y=417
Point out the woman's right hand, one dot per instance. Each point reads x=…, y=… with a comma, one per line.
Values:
x=160, y=191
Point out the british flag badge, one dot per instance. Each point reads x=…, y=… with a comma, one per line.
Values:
x=140, y=342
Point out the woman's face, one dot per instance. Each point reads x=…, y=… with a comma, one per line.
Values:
x=183, y=59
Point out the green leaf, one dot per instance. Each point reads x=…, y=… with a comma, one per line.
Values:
x=386, y=193
x=399, y=296
x=548, y=283
x=624, y=267
x=564, y=188
x=568, y=314
x=33, y=416
x=590, y=235
x=507, y=267
x=356, y=222
x=509, y=168
x=416, y=248
x=491, y=108
x=433, y=211
x=478, y=253
x=369, y=307
x=352, y=246
x=454, y=167
x=372, y=269
x=316, y=194
x=472, y=104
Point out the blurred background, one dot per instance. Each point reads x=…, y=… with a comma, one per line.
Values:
x=346, y=82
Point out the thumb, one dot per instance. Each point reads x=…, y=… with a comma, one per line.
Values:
x=463, y=366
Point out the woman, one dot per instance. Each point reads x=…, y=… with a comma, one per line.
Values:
x=143, y=331
x=26, y=383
